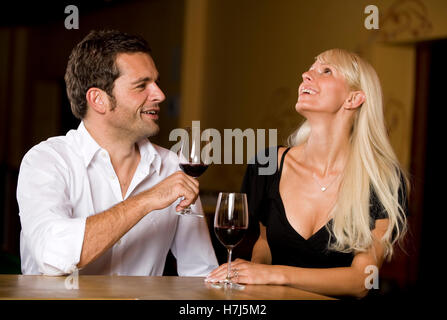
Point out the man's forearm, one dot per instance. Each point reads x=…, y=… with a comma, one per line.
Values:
x=104, y=229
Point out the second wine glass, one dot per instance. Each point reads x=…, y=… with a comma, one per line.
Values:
x=230, y=225
x=190, y=159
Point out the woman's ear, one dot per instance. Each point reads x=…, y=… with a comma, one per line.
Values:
x=355, y=100
x=97, y=100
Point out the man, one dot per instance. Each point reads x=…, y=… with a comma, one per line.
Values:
x=103, y=198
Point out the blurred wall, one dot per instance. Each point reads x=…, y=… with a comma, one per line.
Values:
x=254, y=53
x=34, y=58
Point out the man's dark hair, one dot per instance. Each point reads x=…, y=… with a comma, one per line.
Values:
x=92, y=63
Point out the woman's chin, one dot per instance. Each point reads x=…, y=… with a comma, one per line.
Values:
x=303, y=108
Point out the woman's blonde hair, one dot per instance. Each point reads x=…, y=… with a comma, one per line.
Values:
x=372, y=165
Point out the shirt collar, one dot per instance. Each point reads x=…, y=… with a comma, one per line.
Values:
x=89, y=147
x=149, y=156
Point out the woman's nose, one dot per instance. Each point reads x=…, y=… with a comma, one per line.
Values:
x=307, y=76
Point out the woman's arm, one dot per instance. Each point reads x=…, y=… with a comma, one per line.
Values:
x=330, y=281
x=339, y=281
x=261, y=250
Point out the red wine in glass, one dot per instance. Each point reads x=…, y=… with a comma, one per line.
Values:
x=230, y=236
x=194, y=170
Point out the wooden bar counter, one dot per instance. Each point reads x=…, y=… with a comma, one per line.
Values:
x=21, y=287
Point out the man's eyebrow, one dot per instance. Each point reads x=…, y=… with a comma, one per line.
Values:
x=145, y=79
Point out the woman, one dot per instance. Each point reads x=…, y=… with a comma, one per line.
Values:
x=337, y=203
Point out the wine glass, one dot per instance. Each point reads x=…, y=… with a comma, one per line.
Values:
x=230, y=225
x=191, y=161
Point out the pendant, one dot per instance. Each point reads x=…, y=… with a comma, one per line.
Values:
x=323, y=189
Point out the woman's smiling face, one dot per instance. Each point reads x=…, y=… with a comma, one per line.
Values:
x=323, y=89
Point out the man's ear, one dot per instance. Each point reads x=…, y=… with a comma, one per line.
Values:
x=354, y=100
x=97, y=100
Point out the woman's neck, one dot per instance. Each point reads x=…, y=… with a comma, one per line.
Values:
x=327, y=148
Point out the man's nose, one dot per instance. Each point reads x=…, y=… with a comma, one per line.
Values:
x=157, y=94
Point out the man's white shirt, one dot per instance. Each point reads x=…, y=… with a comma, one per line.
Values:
x=66, y=179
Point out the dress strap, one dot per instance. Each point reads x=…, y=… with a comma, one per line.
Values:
x=282, y=160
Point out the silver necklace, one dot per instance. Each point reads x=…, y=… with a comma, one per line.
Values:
x=324, y=188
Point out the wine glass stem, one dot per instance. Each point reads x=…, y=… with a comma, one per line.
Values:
x=229, y=264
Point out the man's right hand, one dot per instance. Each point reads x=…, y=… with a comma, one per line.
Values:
x=170, y=189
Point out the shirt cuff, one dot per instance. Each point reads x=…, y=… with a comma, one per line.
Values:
x=63, y=247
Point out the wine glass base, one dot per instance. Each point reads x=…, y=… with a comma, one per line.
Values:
x=234, y=286
x=226, y=285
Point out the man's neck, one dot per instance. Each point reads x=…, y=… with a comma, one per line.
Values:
x=122, y=150
x=124, y=153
